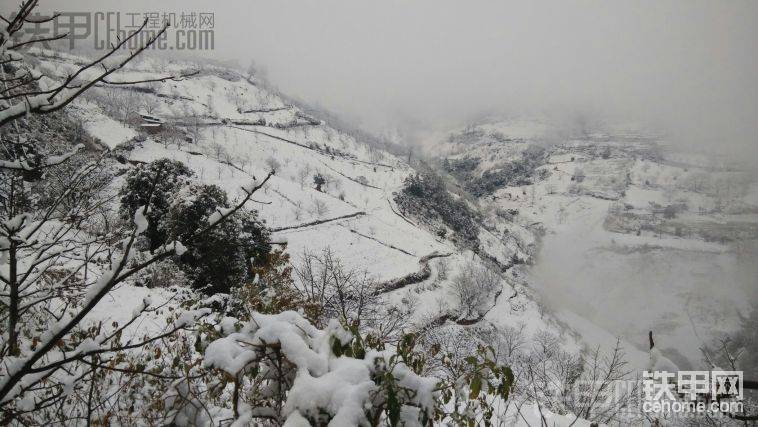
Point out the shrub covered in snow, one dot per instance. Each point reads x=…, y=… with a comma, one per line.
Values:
x=280, y=368
x=473, y=287
x=271, y=291
x=179, y=207
x=225, y=256
x=162, y=274
x=319, y=180
x=153, y=185
x=518, y=172
x=425, y=196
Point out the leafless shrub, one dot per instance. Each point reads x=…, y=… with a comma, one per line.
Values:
x=342, y=293
x=594, y=385
x=473, y=287
x=150, y=104
x=302, y=175
x=320, y=208
x=349, y=295
x=273, y=164
x=217, y=151
x=511, y=342
x=441, y=269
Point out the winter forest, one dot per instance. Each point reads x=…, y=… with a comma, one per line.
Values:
x=198, y=240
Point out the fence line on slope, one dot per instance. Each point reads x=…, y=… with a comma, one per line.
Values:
x=319, y=222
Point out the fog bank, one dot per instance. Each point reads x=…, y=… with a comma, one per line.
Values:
x=686, y=67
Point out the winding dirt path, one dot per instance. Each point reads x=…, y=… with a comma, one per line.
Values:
x=416, y=277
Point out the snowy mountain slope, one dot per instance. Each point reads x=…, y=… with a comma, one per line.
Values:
x=354, y=212
x=638, y=236
x=228, y=129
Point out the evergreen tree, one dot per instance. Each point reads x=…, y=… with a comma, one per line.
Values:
x=226, y=256
x=153, y=185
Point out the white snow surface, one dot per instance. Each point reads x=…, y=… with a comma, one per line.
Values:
x=604, y=282
x=601, y=284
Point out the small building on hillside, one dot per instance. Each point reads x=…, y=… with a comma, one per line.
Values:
x=151, y=124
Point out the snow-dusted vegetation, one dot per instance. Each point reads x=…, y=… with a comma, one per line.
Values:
x=180, y=244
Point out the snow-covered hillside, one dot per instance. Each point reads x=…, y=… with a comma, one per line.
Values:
x=231, y=129
x=585, y=239
x=377, y=225
x=330, y=190
x=638, y=236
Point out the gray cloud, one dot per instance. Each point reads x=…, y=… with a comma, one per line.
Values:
x=688, y=67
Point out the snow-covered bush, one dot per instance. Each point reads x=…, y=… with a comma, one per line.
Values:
x=162, y=274
x=225, y=256
x=283, y=370
x=272, y=290
x=153, y=185
x=319, y=181
x=178, y=207
x=473, y=287
x=425, y=196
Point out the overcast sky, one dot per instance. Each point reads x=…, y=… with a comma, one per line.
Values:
x=689, y=66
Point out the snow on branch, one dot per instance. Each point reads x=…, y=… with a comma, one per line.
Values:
x=23, y=164
x=153, y=80
x=32, y=366
x=139, y=219
x=39, y=101
x=339, y=387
